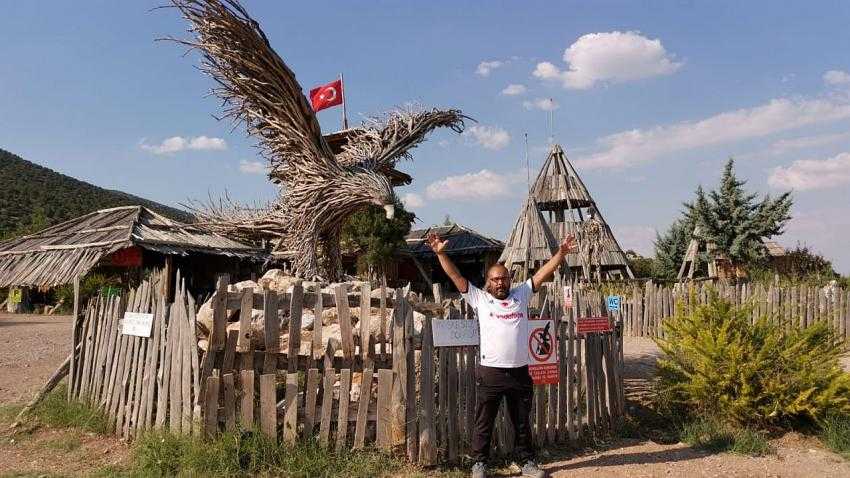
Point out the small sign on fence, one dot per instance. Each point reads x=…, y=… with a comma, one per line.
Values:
x=137, y=323
x=542, y=352
x=568, y=297
x=15, y=296
x=586, y=325
x=454, y=332
x=613, y=303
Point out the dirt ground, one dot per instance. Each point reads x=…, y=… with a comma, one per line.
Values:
x=31, y=347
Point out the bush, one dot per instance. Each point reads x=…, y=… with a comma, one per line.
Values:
x=719, y=364
x=251, y=453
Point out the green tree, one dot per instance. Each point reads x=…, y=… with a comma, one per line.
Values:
x=642, y=267
x=670, y=248
x=734, y=221
x=375, y=238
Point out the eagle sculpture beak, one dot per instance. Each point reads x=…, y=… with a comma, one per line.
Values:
x=390, y=208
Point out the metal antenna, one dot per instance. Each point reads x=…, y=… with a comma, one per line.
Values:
x=527, y=166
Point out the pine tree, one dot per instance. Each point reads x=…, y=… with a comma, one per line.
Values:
x=375, y=238
x=732, y=219
x=670, y=248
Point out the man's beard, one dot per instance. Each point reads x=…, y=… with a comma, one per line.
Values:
x=499, y=294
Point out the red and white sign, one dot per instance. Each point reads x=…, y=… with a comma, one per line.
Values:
x=568, y=297
x=586, y=325
x=325, y=96
x=542, y=352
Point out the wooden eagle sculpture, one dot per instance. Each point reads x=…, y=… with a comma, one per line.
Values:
x=318, y=190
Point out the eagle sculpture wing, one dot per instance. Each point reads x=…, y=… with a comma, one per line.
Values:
x=383, y=141
x=257, y=88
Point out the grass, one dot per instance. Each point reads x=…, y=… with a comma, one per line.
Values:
x=712, y=436
x=250, y=453
x=835, y=434
x=55, y=410
x=65, y=443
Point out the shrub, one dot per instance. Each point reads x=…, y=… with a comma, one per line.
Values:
x=719, y=364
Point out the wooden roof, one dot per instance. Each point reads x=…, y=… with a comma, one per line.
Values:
x=557, y=186
x=530, y=239
x=55, y=255
x=461, y=240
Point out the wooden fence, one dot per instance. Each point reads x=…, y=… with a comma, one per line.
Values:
x=385, y=386
x=139, y=382
x=644, y=309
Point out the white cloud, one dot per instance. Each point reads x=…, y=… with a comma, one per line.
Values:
x=807, y=174
x=628, y=148
x=485, y=67
x=836, y=77
x=489, y=137
x=514, y=89
x=412, y=201
x=640, y=239
x=610, y=56
x=252, y=167
x=806, y=142
x=484, y=184
x=825, y=230
x=178, y=143
x=545, y=104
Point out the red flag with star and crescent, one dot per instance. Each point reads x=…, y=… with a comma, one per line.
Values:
x=325, y=96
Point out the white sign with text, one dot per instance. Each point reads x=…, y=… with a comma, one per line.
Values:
x=137, y=323
x=454, y=333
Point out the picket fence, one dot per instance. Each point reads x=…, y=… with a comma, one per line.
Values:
x=408, y=395
x=644, y=309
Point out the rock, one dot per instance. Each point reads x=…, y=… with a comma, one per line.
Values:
x=245, y=284
x=276, y=280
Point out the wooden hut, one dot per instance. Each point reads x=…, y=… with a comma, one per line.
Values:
x=126, y=239
x=566, y=207
x=471, y=251
x=530, y=243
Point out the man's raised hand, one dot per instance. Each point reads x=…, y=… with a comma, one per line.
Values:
x=568, y=245
x=437, y=245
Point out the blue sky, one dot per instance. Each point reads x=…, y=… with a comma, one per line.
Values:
x=650, y=100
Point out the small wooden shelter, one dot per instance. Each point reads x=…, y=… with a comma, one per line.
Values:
x=472, y=252
x=565, y=208
x=530, y=243
x=120, y=237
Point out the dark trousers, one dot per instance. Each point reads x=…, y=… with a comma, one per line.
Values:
x=515, y=385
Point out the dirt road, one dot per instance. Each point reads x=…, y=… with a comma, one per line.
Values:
x=31, y=347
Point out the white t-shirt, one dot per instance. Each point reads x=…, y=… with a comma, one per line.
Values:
x=503, y=325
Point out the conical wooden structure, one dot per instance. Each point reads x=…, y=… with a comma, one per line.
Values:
x=530, y=243
x=562, y=196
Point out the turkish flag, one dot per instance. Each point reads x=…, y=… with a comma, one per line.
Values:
x=325, y=96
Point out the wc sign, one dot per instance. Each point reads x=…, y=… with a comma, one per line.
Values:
x=542, y=352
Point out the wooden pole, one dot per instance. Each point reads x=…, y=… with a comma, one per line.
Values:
x=72, y=364
x=344, y=112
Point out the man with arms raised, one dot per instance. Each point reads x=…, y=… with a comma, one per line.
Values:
x=503, y=353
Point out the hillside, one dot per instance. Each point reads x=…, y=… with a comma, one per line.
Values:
x=33, y=197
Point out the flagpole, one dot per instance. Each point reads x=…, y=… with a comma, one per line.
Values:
x=344, y=113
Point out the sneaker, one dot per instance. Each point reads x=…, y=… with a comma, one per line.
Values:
x=478, y=470
x=531, y=470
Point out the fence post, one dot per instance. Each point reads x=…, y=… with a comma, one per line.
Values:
x=399, y=388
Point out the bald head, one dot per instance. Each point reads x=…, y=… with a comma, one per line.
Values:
x=498, y=281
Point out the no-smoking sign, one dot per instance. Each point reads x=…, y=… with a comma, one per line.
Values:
x=542, y=351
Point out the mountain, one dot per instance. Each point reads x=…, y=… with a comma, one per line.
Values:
x=33, y=197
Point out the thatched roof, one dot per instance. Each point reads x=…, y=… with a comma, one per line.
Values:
x=461, y=240
x=57, y=254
